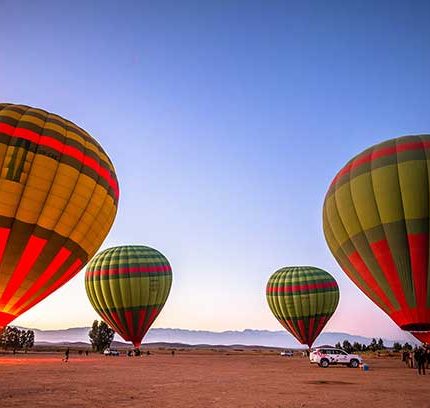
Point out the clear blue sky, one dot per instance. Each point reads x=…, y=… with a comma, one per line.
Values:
x=226, y=121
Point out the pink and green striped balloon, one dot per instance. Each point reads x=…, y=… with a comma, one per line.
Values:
x=302, y=298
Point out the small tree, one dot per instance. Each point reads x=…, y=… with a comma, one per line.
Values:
x=101, y=336
x=337, y=345
x=356, y=346
x=3, y=337
x=381, y=344
x=27, y=339
x=373, y=346
x=16, y=339
x=397, y=346
x=11, y=338
x=346, y=345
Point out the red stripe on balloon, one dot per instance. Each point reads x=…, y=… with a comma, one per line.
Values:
x=359, y=265
x=321, y=323
x=302, y=330
x=416, y=315
x=73, y=270
x=70, y=272
x=290, y=327
x=122, y=331
x=422, y=336
x=110, y=322
x=302, y=287
x=4, y=236
x=379, y=153
x=48, y=141
x=5, y=319
x=382, y=252
x=52, y=268
x=130, y=325
x=31, y=252
x=142, y=315
x=418, y=252
x=124, y=270
x=311, y=331
x=150, y=319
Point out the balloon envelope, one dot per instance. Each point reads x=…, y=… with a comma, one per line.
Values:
x=302, y=298
x=376, y=224
x=128, y=286
x=58, y=200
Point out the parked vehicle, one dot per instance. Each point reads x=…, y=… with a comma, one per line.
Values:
x=325, y=357
x=287, y=353
x=111, y=352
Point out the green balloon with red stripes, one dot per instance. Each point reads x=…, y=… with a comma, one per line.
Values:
x=128, y=286
x=376, y=221
x=302, y=298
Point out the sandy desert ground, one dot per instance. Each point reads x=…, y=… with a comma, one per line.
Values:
x=199, y=379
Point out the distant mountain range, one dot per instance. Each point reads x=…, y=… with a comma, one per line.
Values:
x=199, y=337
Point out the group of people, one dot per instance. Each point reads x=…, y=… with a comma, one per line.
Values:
x=67, y=353
x=419, y=358
x=136, y=353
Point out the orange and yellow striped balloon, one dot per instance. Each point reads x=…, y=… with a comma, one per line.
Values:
x=58, y=200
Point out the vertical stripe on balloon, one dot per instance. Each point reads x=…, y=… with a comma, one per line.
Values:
x=31, y=252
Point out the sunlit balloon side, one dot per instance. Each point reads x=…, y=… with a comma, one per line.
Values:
x=303, y=299
x=376, y=224
x=128, y=286
x=58, y=200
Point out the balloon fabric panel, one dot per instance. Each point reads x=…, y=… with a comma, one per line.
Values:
x=302, y=299
x=128, y=287
x=376, y=224
x=59, y=198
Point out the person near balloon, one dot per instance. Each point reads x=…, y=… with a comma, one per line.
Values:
x=411, y=359
x=420, y=359
x=427, y=354
x=66, y=355
x=405, y=358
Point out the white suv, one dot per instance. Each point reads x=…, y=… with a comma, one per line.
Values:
x=111, y=352
x=326, y=356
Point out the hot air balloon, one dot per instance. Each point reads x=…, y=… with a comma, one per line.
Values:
x=376, y=224
x=128, y=286
x=58, y=200
x=303, y=299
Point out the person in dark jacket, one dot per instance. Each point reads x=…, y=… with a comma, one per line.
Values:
x=66, y=355
x=405, y=358
x=427, y=355
x=420, y=359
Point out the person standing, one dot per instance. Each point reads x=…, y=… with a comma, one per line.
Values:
x=427, y=356
x=405, y=358
x=420, y=359
x=66, y=355
x=411, y=359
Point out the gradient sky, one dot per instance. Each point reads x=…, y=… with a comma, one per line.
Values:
x=226, y=121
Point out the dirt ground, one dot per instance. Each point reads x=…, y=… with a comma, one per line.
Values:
x=194, y=379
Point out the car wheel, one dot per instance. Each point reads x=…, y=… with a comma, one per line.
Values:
x=354, y=363
x=324, y=363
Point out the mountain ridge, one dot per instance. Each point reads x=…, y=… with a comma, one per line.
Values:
x=247, y=337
